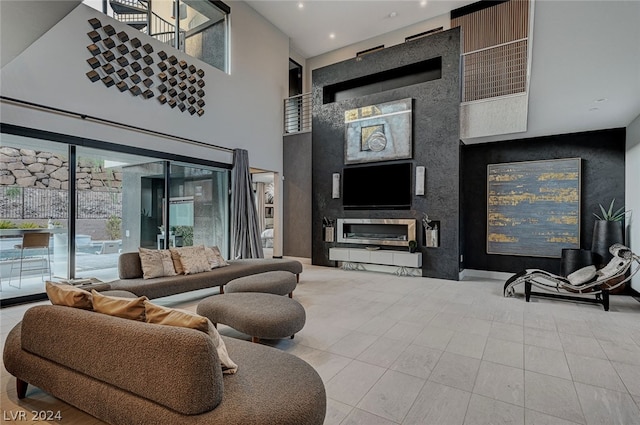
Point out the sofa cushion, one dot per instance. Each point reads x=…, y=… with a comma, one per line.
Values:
x=156, y=263
x=68, y=295
x=129, y=265
x=211, y=257
x=126, y=308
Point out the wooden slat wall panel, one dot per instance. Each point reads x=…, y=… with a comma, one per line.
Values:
x=495, y=25
x=494, y=63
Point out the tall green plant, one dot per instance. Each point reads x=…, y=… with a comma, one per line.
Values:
x=610, y=214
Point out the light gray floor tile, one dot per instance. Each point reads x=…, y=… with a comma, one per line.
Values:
x=511, y=317
x=598, y=372
x=379, y=325
x=320, y=336
x=383, y=352
x=553, y=396
x=484, y=410
x=606, y=407
x=360, y=417
x=336, y=412
x=404, y=331
x=392, y=396
x=622, y=353
x=467, y=344
x=353, y=344
x=574, y=327
x=537, y=321
x=417, y=361
x=475, y=326
x=456, y=371
x=438, y=404
x=325, y=363
x=447, y=320
x=500, y=382
x=434, y=337
x=542, y=338
x=507, y=332
x=547, y=361
x=353, y=382
x=532, y=417
x=583, y=346
x=630, y=375
x=504, y=352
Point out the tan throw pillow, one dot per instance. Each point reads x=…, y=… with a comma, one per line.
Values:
x=172, y=317
x=151, y=263
x=186, y=319
x=127, y=308
x=211, y=257
x=177, y=264
x=69, y=296
x=221, y=261
x=193, y=259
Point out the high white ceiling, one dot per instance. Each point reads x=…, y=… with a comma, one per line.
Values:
x=585, y=68
x=309, y=23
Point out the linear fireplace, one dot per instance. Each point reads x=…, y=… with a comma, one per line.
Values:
x=392, y=231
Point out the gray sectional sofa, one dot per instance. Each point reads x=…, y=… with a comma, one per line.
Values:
x=129, y=372
x=130, y=272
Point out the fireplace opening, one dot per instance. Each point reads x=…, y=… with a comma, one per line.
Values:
x=396, y=232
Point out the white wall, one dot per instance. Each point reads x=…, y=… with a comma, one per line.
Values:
x=243, y=109
x=632, y=196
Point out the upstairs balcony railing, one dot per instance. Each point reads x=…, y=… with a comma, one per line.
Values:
x=297, y=114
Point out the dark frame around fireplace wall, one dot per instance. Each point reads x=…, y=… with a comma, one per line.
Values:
x=436, y=140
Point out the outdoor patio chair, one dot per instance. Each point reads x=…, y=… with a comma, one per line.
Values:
x=33, y=241
x=582, y=284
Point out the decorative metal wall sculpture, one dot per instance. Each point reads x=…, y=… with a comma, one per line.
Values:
x=117, y=60
x=378, y=132
x=533, y=207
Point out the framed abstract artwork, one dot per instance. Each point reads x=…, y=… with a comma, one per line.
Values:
x=533, y=207
x=378, y=132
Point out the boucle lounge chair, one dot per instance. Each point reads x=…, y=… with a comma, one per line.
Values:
x=582, y=284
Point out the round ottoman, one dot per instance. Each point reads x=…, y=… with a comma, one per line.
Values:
x=259, y=315
x=278, y=283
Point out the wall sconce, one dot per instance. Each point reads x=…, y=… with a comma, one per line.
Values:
x=335, y=187
x=420, y=171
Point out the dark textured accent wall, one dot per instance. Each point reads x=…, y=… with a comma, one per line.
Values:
x=602, y=154
x=436, y=144
x=297, y=188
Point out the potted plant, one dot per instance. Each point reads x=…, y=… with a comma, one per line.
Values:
x=412, y=246
x=607, y=230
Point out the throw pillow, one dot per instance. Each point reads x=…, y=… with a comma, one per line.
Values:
x=69, y=296
x=211, y=257
x=172, y=317
x=193, y=259
x=228, y=366
x=177, y=264
x=126, y=308
x=151, y=263
x=221, y=261
x=186, y=319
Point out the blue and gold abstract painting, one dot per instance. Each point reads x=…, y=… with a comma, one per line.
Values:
x=533, y=207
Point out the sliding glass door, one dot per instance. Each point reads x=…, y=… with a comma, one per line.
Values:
x=198, y=206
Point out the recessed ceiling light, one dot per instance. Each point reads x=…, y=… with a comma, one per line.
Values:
x=332, y=35
x=393, y=14
x=300, y=5
x=423, y=3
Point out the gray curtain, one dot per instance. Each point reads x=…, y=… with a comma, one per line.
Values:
x=245, y=234
x=260, y=205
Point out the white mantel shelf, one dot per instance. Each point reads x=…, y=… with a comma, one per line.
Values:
x=405, y=263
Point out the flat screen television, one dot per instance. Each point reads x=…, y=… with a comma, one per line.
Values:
x=384, y=187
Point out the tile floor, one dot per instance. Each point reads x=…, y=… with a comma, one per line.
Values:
x=394, y=350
